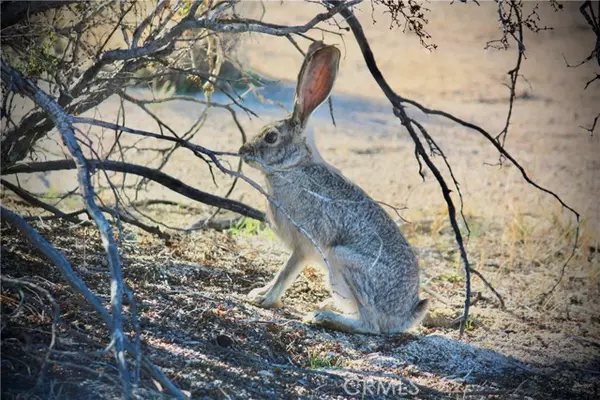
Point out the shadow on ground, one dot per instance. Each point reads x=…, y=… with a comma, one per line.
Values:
x=198, y=328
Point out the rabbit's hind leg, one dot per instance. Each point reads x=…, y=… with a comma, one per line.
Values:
x=354, y=317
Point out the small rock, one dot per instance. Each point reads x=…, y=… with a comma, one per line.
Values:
x=383, y=361
x=224, y=341
x=267, y=374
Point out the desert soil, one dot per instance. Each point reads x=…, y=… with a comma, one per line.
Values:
x=190, y=288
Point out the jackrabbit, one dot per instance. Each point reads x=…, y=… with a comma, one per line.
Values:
x=371, y=270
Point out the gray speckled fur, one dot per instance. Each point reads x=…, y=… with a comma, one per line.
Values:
x=372, y=272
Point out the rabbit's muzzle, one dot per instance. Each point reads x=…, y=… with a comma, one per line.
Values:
x=247, y=152
x=244, y=151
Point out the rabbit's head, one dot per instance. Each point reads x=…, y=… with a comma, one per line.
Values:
x=284, y=144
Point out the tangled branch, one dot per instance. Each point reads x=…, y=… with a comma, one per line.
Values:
x=81, y=89
x=63, y=124
x=61, y=120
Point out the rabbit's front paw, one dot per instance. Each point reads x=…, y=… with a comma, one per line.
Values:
x=316, y=317
x=262, y=297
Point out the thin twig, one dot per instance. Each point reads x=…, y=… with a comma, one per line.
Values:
x=433, y=143
x=513, y=73
x=489, y=286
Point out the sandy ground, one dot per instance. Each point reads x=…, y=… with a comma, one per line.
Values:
x=520, y=236
x=459, y=77
x=463, y=78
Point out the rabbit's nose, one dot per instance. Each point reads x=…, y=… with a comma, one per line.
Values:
x=244, y=149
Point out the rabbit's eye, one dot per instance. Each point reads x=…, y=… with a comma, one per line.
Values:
x=271, y=137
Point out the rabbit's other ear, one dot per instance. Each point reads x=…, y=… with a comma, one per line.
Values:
x=315, y=80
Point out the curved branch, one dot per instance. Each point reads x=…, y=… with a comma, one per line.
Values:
x=400, y=112
x=129, y=219
x=159, y=177
x=498, y=147
x=397, y=101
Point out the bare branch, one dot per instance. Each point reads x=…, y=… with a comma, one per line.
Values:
x=400, y=112
x=397, y=101
x=588, y=83
x=63, y=124
x=129, y=219
x=156, y=176
x=437, y=148
x=144, y=24
x=592, y=128
x=489, y=286
x=513, y=73
x=405, y=120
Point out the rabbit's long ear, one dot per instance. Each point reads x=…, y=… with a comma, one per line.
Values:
x=315, y=80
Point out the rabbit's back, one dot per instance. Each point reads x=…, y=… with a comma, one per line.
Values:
x=336, y=212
